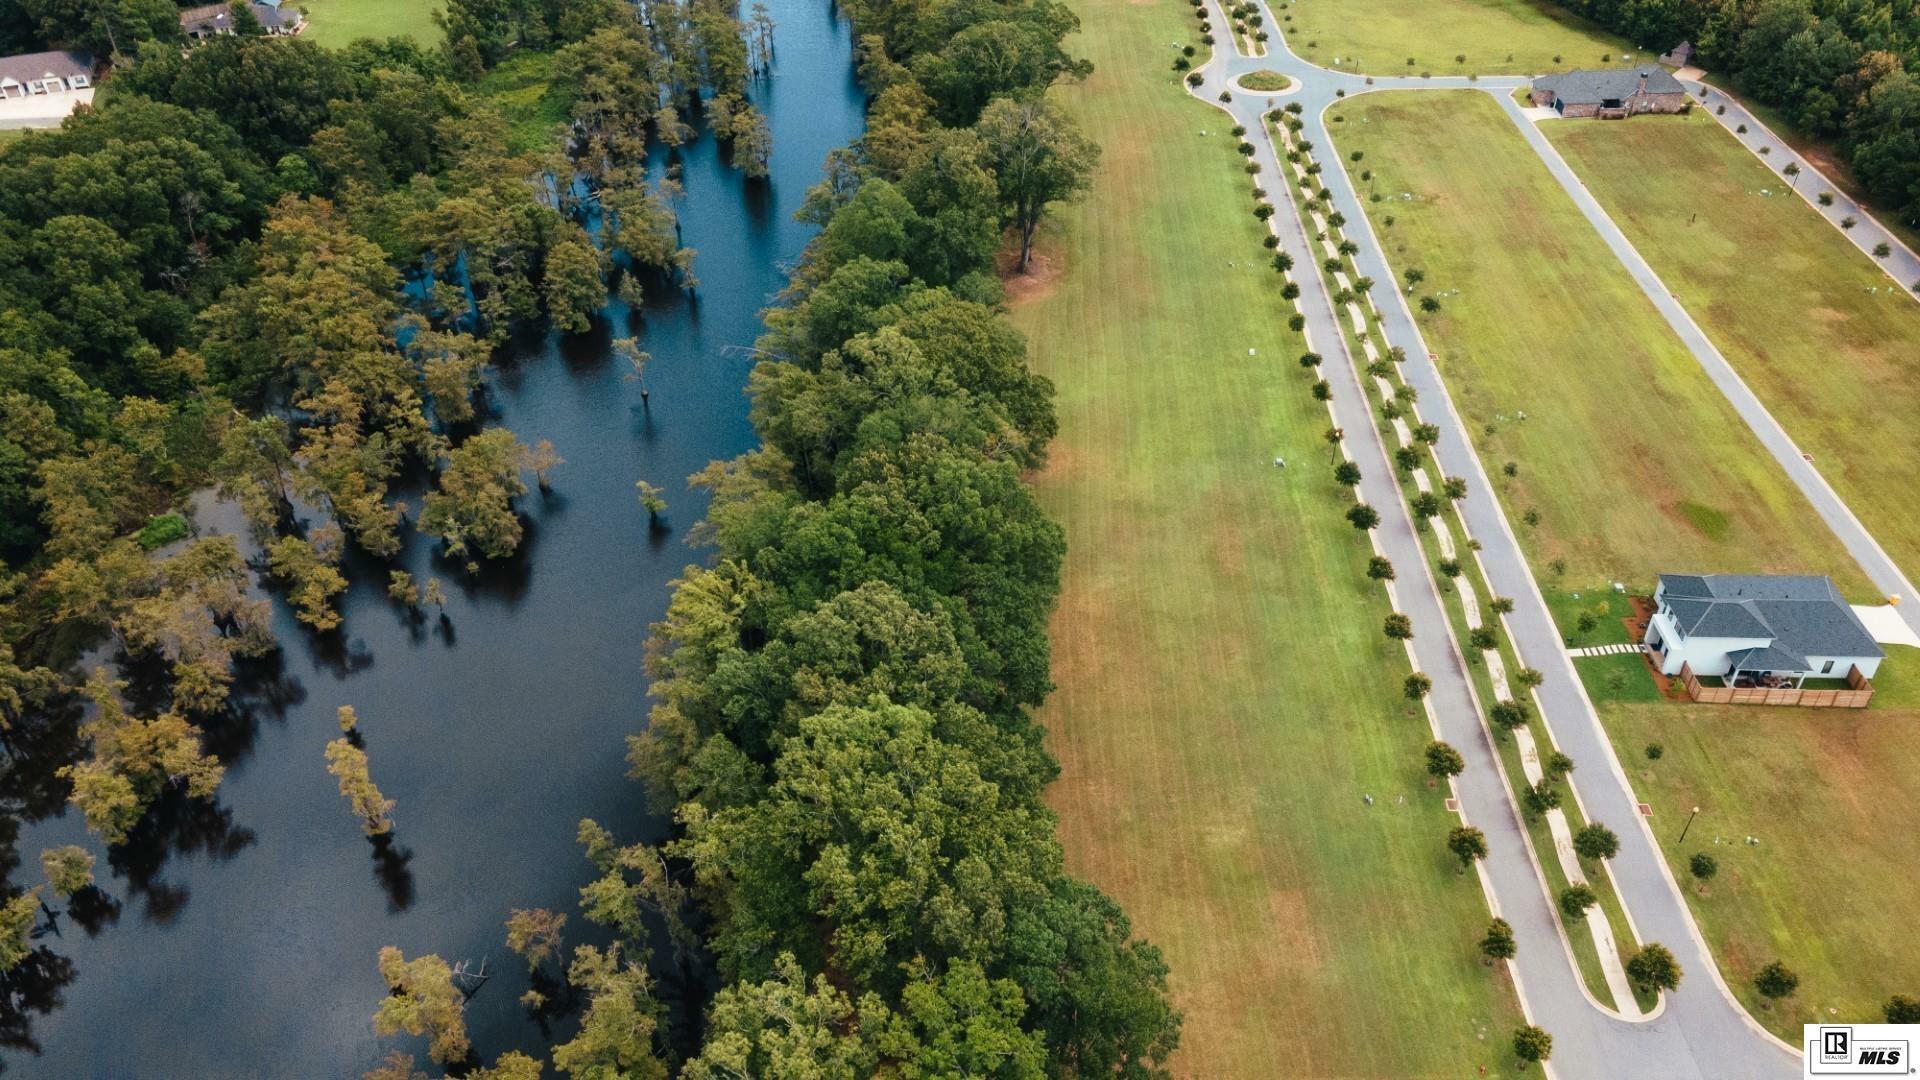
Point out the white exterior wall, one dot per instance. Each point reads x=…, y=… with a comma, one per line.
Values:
x=1867, y=664
x=1707, y=655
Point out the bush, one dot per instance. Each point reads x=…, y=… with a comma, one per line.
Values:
x=1543, y=797
x=1379, y=567
x=1450, y=567
x=1882, y=250
x=1296, y=323
x=162, y=530
x=1654, y=750
x=1776, y=981
x=1483, y=638
x=1901, y=1009
x=1703, y=866
x=1558, y=765
x=1398, y=627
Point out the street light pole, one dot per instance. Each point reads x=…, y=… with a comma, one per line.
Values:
x=1688, y=825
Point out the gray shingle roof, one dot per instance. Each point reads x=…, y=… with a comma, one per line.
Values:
x=1768, y=658
x=1802, y=615
x=1594, y=87
x=28, y=67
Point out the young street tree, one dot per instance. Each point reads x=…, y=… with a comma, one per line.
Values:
x=1596, y=841
x=1444, y=761
x=1038, y=156
x=1531, y=1044
x=423, y=1000
x=1467, y=844
x=1499, y=943
x=348, y=764
x=1399, y=627
x=1575, y=900
x=1654, y=967
x=1416, y=686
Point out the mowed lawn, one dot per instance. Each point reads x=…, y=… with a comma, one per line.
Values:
x=1630, y=459
x=1225, y=697
x=338, y=23
x=1831, y=888
x=1828, y=342
x=1497, y=37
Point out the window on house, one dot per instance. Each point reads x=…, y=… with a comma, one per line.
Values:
x=1826, y=668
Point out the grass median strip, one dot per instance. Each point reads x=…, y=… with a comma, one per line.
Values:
x=1456, y=568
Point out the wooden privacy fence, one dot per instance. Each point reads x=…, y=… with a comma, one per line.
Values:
x=1859, y=691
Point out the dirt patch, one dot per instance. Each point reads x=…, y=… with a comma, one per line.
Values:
x=1035, y=283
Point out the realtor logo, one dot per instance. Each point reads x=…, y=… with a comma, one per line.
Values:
x=1859, y=1049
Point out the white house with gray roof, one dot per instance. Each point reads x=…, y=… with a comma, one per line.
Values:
x=1759, y=630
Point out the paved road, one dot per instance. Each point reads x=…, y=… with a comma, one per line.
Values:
x=1700, y=1031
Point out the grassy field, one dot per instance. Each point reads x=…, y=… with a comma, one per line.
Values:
x=1830, y=889
x=1225, y=696
x=1782, y=293
x=1629, y=461
x=1497, y=37
x=336, y=23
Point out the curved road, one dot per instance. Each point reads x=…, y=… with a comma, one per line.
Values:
x=1700, y=1031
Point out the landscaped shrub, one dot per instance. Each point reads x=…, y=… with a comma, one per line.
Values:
x=1265, y=82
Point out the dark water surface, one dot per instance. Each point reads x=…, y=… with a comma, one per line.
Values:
x=246, y=939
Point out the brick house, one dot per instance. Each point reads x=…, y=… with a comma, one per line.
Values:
x=1611, y=93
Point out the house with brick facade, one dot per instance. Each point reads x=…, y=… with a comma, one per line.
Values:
x=1611, y=93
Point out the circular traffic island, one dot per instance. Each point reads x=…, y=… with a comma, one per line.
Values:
x=1263, y=82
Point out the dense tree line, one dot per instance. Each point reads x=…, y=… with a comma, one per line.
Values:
x=843, y=693
x=1838, y=68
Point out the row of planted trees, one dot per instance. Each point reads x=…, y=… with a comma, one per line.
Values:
x=1652, y=966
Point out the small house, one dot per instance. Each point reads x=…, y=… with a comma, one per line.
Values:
x=1611, y=93
x=45, y=74
x=1758, y=630
x=214, y=20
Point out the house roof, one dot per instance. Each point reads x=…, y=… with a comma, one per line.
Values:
x=218, y=17
x=1768, y=658
x=27, y=67
x=1799, y=615
x=1594, y=87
